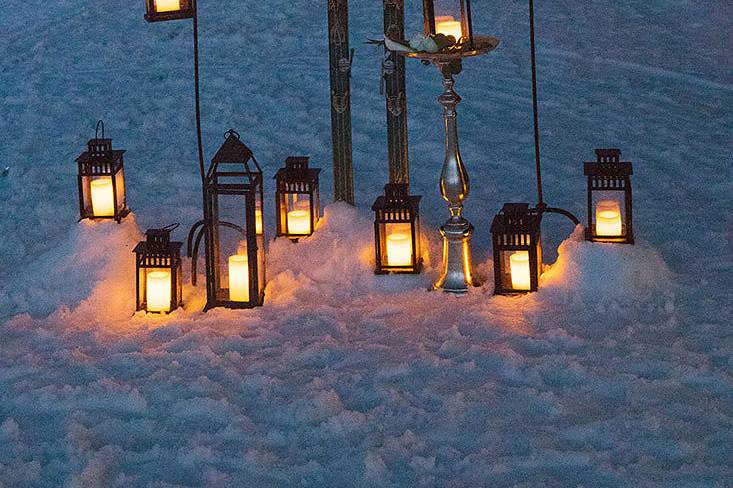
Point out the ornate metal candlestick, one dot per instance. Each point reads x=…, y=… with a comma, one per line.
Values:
x=457, y=274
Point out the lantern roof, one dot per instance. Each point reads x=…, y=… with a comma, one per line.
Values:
x=516, y=218
x=608, y=163
x=159, y=241
x=233, y=150
x=396, y=195
x=297, y=169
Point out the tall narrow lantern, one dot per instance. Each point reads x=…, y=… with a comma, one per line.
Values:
x=516, y=237
x=298, y=198
x=609, y=198
x=160, y=10
x=101, y=180
x=159, y=281
x=449, y=17
x=235, y=250
x=397, y=231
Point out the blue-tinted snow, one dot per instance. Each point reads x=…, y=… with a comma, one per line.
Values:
x=617, y=373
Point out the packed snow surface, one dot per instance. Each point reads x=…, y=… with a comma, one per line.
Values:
x=616, y=373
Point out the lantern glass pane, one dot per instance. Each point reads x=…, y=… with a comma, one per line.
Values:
x=515, y=270
x=397, y=245
x=120, y=189
x=102, y=196
x=450, y=18
x=157, y=289
x=167, y=5
x=608, y=214
x=231, y=248
x=298, y=218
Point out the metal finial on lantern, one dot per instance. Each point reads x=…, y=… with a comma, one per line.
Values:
x=101, y=180
x=610, y=216
x=298, y=200
x=397, y=231
x=517, y=243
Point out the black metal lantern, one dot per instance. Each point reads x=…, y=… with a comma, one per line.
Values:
x=397, y=231
x=101, y=180
x=298, y=198
x=449, y=17
x=160, y=10
x=159, y=281
x=235, y=251
x=517, y=242
x=609, y=198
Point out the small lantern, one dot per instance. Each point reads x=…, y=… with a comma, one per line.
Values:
x=609, y=198
x=517, y=249
x=160, y=10
x=101, y=180
x=397, y=231
x=298, y=198
x=449, y=17
x=159, y=277
x=235, y=246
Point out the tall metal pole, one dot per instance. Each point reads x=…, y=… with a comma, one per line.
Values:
x=535, y=109
x=340, y=60
x=197, y=88
x=393, y=69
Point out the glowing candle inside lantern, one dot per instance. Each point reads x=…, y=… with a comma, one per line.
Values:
x=449, y=26
x=399, y=250
x=608, y=218
x=239, y=278
x=103, y=201
x=167, y=5
x=258, y=221
x=299, y=222
x=519, y=267
x=158, y=291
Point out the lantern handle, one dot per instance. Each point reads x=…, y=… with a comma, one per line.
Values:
x=172, y=227
x=231, y=132
x=96, y=130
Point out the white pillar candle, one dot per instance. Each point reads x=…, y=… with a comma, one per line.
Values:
x=239, y=278
x=258, y=221
x=608, y=218
x=449, y=26
x=103, y=201
x=399, y=250
x=299, y=222
x=167, y=5
x=158, y=291
x=519, y=268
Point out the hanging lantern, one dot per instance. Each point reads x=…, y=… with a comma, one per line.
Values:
x=101, y=180
x=397, y=231
x=235, y=250
x=517, y=244
x=159, y=277
x=609, y=198
x=160, y=10
x=449, y=17
x=298, y=198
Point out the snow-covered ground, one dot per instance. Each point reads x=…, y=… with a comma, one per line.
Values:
x=617, y=373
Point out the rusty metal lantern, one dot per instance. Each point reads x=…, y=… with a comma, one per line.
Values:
x=610, y=217
x=397, y=231
x=235, y=250
x=101, y=180
x=449, y=17
x=298, y=198
x=159, y=277
x=161, y=10
x=517, y=243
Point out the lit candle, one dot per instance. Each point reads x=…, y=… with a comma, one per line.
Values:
x=103, y=201
x=449, y=26
x=399, y=250
x=299, y=222
x=167, y=5
x=519, y=267
x=239, y=278
x=158, y=291
x=608, y=218
x=258, y=221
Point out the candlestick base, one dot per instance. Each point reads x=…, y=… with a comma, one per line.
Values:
x=457, y=275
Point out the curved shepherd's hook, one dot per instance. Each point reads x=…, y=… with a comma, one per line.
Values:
x=193, y=250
